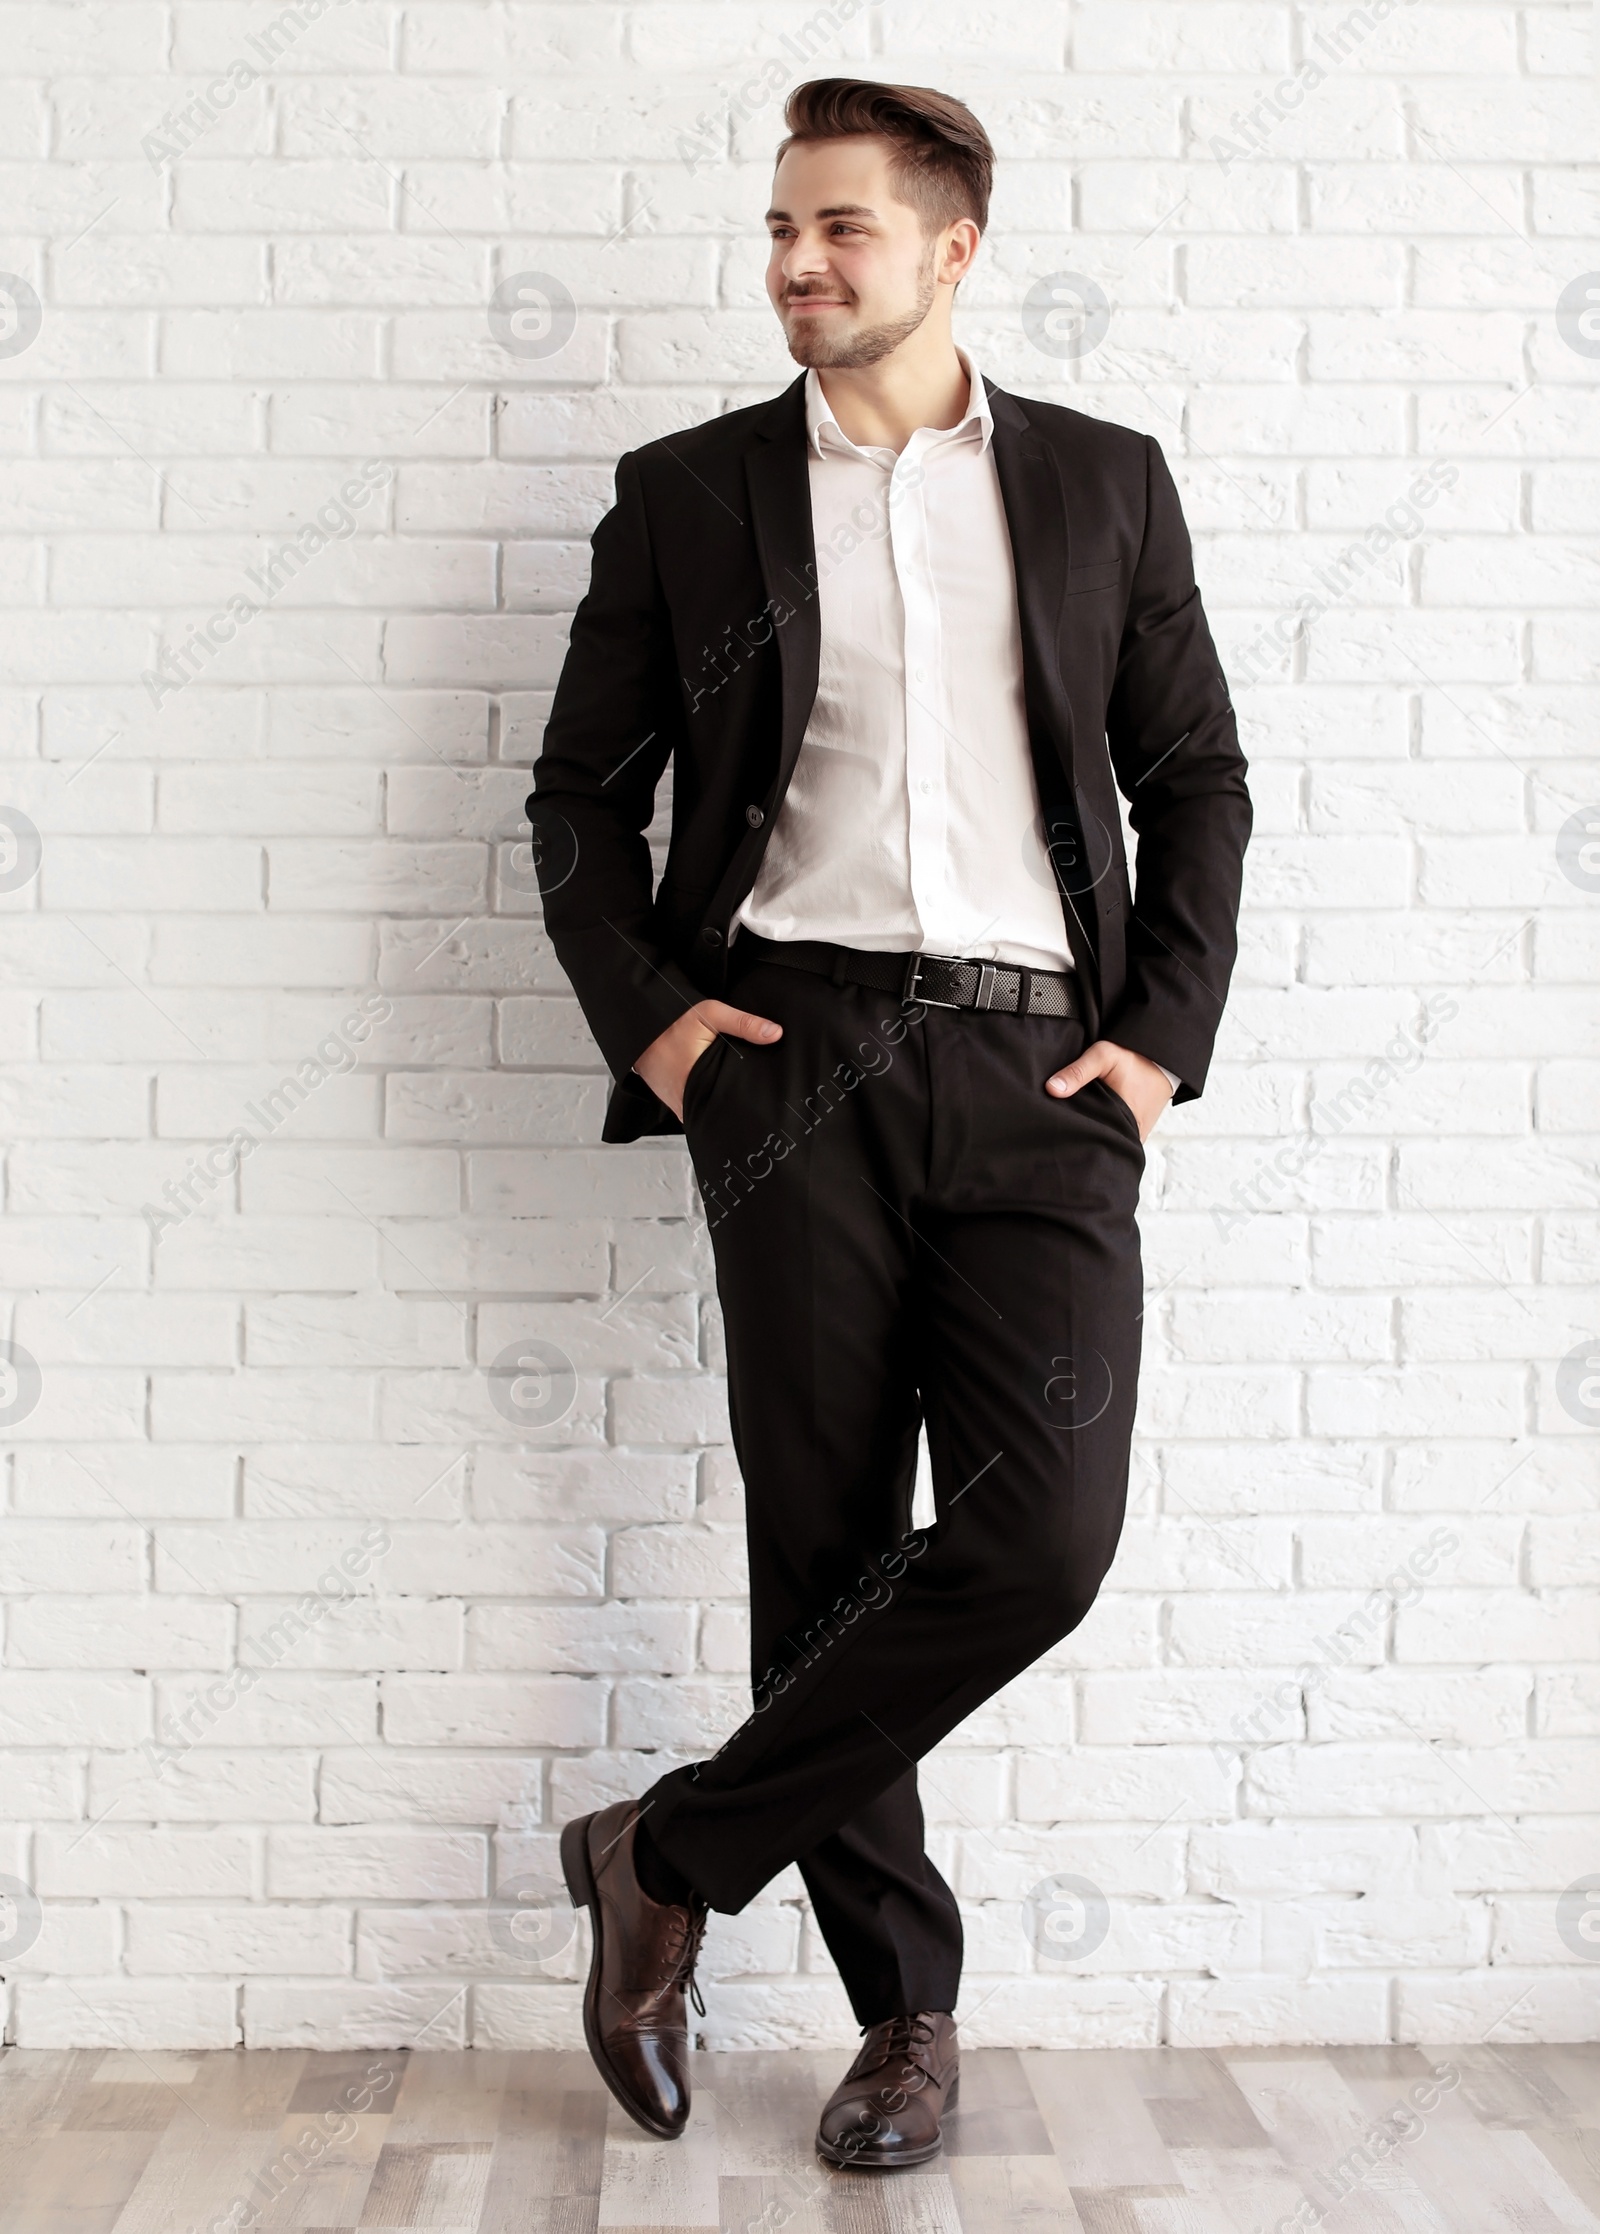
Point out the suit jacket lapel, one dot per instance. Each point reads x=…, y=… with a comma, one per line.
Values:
x=1034, y=497
x=779, y=481
x=1036, y=513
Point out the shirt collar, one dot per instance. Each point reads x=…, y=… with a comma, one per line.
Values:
x=978, y=414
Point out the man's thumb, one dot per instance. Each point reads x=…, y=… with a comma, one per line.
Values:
x=740, y=1024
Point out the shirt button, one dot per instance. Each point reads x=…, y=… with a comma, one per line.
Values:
x=754, y=817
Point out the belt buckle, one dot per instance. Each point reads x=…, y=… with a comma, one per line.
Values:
x=909, y=992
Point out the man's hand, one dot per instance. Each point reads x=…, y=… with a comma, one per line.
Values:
x=1141, y=1083
x=667, y=1061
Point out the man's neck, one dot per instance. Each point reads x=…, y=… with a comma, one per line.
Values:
x=883, y=405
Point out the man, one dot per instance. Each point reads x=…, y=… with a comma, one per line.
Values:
x=902, y=636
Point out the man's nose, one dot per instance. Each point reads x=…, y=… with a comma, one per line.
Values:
x=807, y=259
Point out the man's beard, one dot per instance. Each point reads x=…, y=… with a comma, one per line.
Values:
x=868, y=345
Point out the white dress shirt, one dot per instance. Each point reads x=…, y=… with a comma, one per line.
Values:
x=911, y=822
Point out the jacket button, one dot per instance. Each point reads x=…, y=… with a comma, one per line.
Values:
x=754, y=817
x=711, y=936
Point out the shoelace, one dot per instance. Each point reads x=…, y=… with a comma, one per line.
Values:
x=678, y=1969
x=904, y=2037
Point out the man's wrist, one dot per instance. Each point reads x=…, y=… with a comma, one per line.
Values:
x=1171, y=1076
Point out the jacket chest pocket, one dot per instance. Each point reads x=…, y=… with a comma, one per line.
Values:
x=1105, y=576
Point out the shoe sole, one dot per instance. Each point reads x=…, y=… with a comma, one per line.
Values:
x=863, y=2160
x=581, y=1885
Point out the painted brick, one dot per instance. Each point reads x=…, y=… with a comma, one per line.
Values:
x=1363, y=1268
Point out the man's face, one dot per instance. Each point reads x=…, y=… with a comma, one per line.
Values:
x=851, y=274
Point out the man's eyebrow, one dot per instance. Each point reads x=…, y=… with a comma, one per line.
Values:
x=835, y=209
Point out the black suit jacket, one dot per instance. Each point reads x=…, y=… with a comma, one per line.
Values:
x=698, y=643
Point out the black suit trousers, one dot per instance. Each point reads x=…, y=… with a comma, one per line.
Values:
x=905, y=1225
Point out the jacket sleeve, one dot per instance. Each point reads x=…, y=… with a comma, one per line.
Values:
x=613, y=726
x=1175, y=748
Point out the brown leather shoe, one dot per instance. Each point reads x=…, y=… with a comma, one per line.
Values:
x=644, y=1957
x=886, y=2110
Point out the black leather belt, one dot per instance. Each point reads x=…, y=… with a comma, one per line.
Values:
x=939, y=980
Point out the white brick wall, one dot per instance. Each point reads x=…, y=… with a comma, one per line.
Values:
x=1328, y=1745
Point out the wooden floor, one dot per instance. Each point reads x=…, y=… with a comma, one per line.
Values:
x=1168, y=2141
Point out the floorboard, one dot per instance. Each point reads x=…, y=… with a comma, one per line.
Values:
x=1097, y=2141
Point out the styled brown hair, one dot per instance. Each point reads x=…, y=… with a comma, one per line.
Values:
x=943, y=163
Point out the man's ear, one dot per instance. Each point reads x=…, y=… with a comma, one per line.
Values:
x=964, y=239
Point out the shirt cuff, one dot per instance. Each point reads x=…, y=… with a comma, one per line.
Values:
x=1170, y=1076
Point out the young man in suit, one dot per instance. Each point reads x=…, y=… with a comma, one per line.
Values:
x=902, y=636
